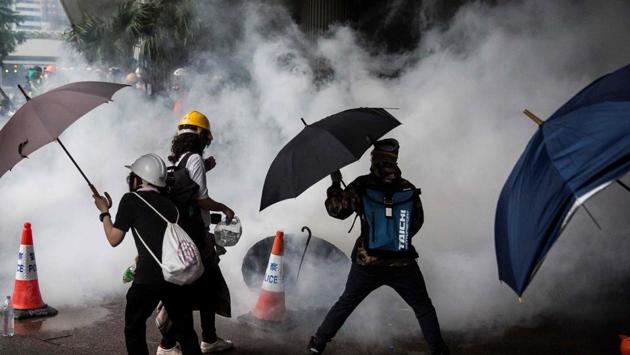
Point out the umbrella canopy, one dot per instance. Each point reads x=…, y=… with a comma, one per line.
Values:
x=322, y=148
x=321, y=255
x=581, y=148
x=42, y=119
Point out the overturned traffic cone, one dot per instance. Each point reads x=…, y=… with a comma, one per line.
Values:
x=270, y=309
x=27, y=300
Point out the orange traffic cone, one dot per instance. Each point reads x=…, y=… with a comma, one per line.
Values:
x=270, y=305
x=270, y=310
x=27, y=300
x=625, y=345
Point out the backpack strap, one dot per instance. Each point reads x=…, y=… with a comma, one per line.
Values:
x=353, y=221
x=148, y=249
x=156, y=211
x=184, y=160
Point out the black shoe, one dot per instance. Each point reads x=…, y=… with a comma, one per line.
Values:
x=315, y=346
x=444, y=350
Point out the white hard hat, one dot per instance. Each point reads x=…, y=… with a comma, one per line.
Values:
x=180, y=72
x=150, y=168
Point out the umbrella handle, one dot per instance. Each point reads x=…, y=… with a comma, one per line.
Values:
x=109, y=200
x=308, y=240
x=95, y=192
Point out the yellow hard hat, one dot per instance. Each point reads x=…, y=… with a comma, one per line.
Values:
x=194, y=122
x=132, y=78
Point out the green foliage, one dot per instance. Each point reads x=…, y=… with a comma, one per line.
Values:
x=9, y=39
x=164, y=31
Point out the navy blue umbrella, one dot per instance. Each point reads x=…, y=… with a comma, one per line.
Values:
x=580, y=149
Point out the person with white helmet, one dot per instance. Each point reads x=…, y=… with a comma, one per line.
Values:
x=147, y=175
x=212, y=295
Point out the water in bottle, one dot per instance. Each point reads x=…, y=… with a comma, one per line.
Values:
x=228, y=234
x=8, y=322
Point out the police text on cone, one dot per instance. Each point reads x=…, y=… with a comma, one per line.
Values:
x=27, y=299
x=270, y=305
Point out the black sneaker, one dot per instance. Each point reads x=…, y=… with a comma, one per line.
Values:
x=443, y=350
x=315, y=346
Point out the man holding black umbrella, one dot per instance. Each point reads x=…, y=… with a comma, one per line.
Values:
x=391, y=213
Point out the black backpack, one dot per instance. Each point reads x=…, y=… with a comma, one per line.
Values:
x=181, y=189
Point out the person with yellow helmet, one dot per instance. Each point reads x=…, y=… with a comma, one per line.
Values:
x=193, y=135
x=131, y=79
x=195, y=122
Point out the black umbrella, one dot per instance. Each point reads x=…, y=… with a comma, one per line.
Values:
x=323, y=148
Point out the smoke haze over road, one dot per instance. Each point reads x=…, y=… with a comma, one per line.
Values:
x=460, y=95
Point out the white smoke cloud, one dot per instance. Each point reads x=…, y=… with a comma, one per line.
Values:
x=459, y=96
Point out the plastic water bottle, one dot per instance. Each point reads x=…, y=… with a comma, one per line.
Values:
x=228, y=234
x=8, y=322
x=129, y=274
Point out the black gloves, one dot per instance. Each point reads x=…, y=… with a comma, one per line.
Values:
x=336, y=177
x=209, y=163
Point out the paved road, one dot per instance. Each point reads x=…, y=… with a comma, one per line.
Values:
x=98, y=330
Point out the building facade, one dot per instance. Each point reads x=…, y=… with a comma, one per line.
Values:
x=44, y=22
x=31, y=12
x=41, y=16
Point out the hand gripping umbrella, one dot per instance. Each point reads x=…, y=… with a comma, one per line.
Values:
x=42, y=119
x=322, y=148
x=581, y=149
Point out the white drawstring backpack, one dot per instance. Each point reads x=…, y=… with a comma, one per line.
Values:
x=181, y=262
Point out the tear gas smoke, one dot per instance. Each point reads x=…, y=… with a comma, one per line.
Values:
x=460, y=96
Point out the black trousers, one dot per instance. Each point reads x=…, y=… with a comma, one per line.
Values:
x=141, y=302
x=203, y=296
x=407, y=281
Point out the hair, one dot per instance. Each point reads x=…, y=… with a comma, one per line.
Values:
x=187, y=142
x=133, y=181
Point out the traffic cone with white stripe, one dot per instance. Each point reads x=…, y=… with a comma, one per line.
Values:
x=270, y=305
x=27, y=300
x=270, y=311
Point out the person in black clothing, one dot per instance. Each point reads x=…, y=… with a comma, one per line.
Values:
x=148, y=173
x=211, y=294
x=371, y=268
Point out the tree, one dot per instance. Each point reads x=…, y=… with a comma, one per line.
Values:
x=9, y=39
x=163, y=31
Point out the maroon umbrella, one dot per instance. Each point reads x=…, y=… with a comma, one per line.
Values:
x=42, y=119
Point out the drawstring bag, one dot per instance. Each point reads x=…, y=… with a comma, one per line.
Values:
x=181, y=262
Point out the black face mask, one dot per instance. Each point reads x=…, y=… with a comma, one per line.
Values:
x=386, y=171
